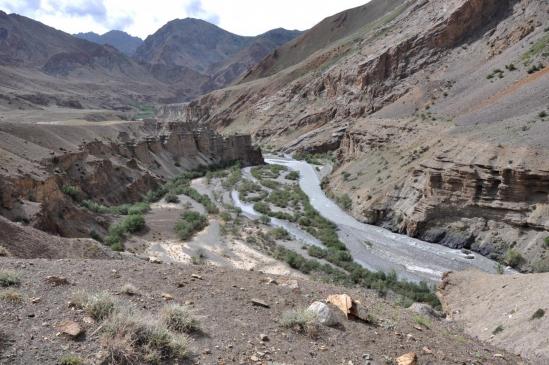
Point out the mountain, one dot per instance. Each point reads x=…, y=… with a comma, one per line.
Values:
x=122, y=41
x=436, y=117
x=42, y=66
x=190, y=46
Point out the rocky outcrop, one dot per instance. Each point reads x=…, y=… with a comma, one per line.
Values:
x=113, y=171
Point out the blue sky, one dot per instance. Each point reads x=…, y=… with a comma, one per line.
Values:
x=141, y=18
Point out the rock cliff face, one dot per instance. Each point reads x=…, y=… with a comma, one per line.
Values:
x=438, y=112
x=112, y=171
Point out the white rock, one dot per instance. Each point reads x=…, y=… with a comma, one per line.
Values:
x=325, y=315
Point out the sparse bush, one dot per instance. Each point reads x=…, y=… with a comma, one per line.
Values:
x=4, y=252
x=94, y=235
x=538, y=314
x=97, y=305
x=131, y=338
x=199, y=258
x=293, y=175
x=12, y=296
x=513, y=258
x=265, y=219
x=179, y=318
x=70, y=360
x=422, y=321
x=542, y=114
x=129, y=289
x=500, y=269
x=190, y=223
x=497, y=330
x=280, y=233
x=9, y=278
x=344, y=201
x=72, y=191
x=301, y=320
x=546, y=242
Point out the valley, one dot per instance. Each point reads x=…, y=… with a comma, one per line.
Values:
x=373, y=190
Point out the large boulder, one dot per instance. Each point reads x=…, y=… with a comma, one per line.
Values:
x=324, y=314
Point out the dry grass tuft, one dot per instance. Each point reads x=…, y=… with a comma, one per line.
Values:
x=12, y=296
x=301, y=320
x=97, y=305
x=179, y=318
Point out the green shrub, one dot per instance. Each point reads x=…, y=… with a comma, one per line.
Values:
x=9, y=278
x=190, y=223
x=293, y=175
x=546, y=242
x=513, y=258
x=280, y=233
x=72, y=191
x=133, y=223
x=179, y=319
x=497, y=330
x=538, y=314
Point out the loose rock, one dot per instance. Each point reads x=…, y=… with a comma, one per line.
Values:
x=325, y=315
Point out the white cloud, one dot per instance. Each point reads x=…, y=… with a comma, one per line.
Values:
x=142, y=18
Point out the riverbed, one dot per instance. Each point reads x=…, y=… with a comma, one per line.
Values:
x=373, y=247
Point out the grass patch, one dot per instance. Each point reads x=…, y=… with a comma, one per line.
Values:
x=9, y=278
x=11, y=295
x=129, y=290
x=190, y=223
x=97, y=305
x=172, y=198
x=179, y=319
x=344, y=201
x=541, y=47
x=132, y=338
x=422, y=321
x=301, y=320
x=538, y=314
x=70, y=360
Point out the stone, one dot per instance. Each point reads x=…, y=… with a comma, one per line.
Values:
x=196, y=276
x=70, y=328
x=167, y=296
x=407, y=359
x=263, y=337
x=425, y=310
x=325, y=315
x=341, y=301
x=427, y=350
x=259, y=303
x=155, y=260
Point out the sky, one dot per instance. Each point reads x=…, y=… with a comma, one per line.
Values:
x=142, y=18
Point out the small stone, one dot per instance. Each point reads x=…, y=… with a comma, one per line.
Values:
x=499, y=356
x=88, y=320
x=196, y=276
x=263, y=337
x=155, y=260
x=427, y=350
x=167, y=296
x=35, y=300
x=367, y=356
x=254, y=358
x=207, y=351
x=259, y=303
x=407, y=359
x=70, y=328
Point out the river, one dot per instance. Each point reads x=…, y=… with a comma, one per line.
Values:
x=373, y=247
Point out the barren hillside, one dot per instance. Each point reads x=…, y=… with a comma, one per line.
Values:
x=437, y=116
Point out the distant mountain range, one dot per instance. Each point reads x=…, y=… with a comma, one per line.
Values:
x=40, y=65
x=120, y=40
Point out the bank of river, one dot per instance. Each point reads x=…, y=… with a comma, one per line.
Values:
x=373, y=247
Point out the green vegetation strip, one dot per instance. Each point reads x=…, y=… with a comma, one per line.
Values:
x=344, y=270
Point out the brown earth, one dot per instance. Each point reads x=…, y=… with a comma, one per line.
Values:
x=482, y=302
x=231, y=324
